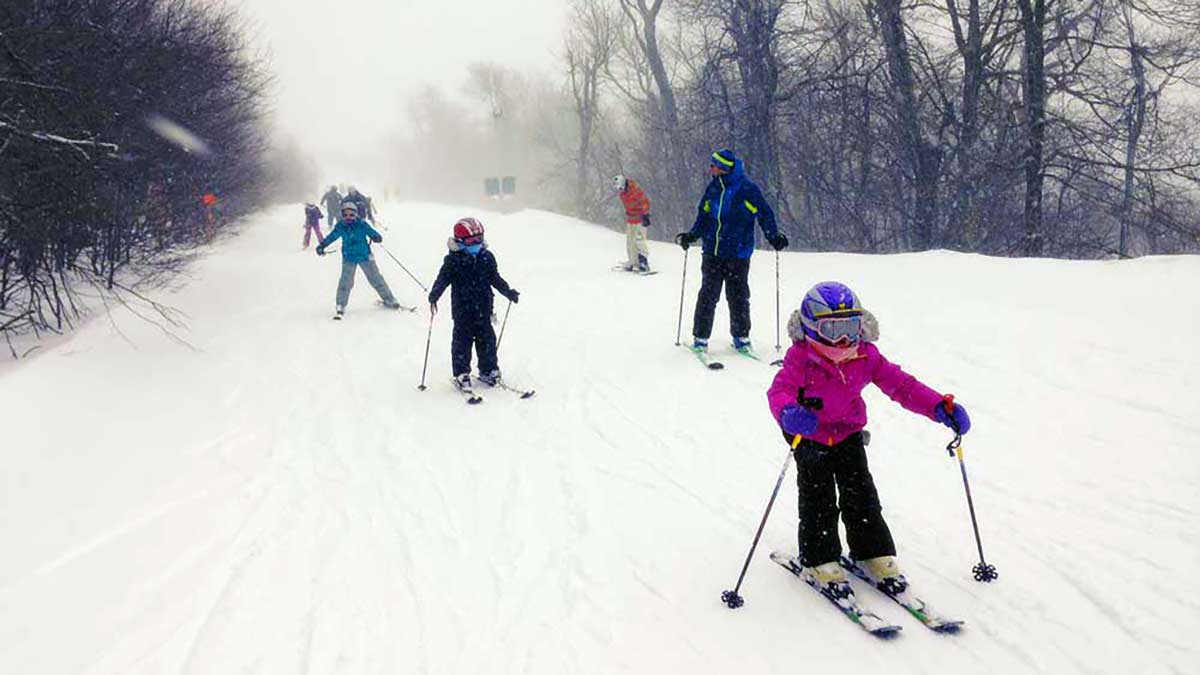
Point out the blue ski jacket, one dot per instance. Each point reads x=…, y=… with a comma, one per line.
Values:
x=355, y=235
x=726, y=215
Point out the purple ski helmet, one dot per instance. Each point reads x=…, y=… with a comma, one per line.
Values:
x=827, y=299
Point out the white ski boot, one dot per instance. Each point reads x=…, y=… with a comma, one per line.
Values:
x=884, y=572
x=463, y=382
x=830, y=577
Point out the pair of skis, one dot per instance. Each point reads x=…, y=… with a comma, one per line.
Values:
x=845, y=600
x=472, y=398
x=642, y=273
x=403, y=308
x=709, y=362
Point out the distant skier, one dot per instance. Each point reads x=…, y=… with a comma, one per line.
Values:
x=332, y=199
x=356, y=236
x=725, y=220
x=363, y=202
x=637, y=221
x=471, y=270
x=312, y=223
x=818, y=395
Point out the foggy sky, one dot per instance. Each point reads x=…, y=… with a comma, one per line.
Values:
x=343, y=69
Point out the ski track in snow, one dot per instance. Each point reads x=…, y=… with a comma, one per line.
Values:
x=284, y=500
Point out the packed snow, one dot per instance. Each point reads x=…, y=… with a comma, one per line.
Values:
x=268, y=491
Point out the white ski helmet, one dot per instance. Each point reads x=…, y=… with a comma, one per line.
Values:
x=619, y=182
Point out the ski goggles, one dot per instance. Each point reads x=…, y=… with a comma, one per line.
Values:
x=838, y=328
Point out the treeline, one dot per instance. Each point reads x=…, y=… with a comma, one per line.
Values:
x=130, y=132
x=1012, y=127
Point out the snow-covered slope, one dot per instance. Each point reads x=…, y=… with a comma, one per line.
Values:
x=282, y=499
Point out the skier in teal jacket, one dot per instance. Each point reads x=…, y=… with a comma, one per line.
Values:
x=356, y=236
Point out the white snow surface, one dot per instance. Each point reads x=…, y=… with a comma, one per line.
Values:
x=282, y=498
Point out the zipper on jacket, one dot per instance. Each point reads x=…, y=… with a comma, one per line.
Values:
x=720, y=205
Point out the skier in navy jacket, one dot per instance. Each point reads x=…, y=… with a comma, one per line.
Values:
x=471, y=271
x=725, y=221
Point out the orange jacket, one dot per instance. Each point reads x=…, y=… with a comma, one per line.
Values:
x=637, y=204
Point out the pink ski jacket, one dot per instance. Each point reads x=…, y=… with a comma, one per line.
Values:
x=839, y=386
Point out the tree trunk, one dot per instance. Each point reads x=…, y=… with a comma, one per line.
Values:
x=1033, y=21
x=668, y=112
x=965, y=220
x=753, y=25
x=1135, y=119
x=924, y=157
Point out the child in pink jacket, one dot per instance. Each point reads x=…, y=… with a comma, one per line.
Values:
x=818, y=395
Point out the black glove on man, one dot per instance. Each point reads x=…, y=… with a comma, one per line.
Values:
x=686, y=239
x=779, y=241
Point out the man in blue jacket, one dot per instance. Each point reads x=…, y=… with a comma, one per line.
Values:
x=356, y=236
x=725, y=221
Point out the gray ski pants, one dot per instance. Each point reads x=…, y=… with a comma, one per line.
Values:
x=373, y=276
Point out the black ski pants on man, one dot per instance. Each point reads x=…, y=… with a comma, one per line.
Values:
x=734, y=275
x=477, y=332
x=832, y=478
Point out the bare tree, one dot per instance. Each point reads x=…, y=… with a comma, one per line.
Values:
x=923, y=154
x=89, y=194
x=590, y=43
x=1033, y=64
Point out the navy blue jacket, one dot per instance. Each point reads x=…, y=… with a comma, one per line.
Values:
x=726, y=215
x=471, y=278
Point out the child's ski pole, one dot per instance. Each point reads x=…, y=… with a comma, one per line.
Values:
x=503, y=324
x=983, y=571
x=428, y=339
x=731, y=598
x=414, y=278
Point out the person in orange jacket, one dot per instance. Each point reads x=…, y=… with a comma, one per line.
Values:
x=637, y=221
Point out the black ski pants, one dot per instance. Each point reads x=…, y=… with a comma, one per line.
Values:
x=734, y=275
x=477, y=332
x=833, y=478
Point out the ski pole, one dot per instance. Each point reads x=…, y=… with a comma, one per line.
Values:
x=731, y=598
x=428, y=339
x=777, y=345
x=777, y=362
x=503, y=324
x=983, y=571
x=414, y=278
x=682, y=288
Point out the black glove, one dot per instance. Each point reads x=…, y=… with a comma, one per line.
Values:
x=686, y=239
x=779, y=241
x=646, y=220
x=320, y=250
x=513, y=295
x=377, y=238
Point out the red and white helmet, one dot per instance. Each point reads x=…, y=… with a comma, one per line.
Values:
x=468, y=231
